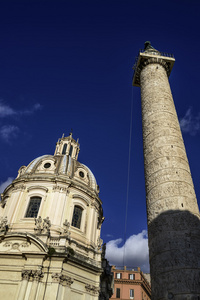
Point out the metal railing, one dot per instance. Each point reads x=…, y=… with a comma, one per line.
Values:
x=161, y=53
x=154, y=53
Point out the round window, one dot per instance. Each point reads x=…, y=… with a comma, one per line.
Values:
x=47, y=165
x=81, y=174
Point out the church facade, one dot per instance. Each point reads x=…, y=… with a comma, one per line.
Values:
x=51, y=217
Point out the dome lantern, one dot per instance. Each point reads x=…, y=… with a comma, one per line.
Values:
x=67, y=146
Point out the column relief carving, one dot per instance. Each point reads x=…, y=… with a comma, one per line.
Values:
x=173, y=225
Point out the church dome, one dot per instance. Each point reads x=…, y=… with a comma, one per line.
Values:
x=63, y=164
x=59, y=190
x=52, y=212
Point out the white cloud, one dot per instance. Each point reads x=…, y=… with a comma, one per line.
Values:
x=190, y=123
x=6, y=110
x=3, y=185
x=135, y=252
x=7, y=132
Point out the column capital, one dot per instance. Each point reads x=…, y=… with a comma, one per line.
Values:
x=66, y=280
x=92, y=289
x=56, y=277
x=26, y=274
x=145, y=58
x=37, y=275
x=62, y=279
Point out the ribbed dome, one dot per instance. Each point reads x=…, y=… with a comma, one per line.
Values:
x=60, y=165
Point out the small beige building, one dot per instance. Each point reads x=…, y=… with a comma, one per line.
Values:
x=50, y=223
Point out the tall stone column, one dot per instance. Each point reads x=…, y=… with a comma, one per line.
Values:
x=172, y=210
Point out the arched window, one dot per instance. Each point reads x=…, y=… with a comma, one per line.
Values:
x=77, y=214
x=64, y=149
x=33, y=207
x=70, y=151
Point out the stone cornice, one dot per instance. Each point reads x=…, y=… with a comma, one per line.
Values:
x=145, y=59
x=57, y=179
x=128, y=281
x=77, y=259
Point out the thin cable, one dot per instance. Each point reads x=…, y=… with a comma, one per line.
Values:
x=128, y=176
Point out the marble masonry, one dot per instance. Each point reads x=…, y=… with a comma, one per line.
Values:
x=172, y=209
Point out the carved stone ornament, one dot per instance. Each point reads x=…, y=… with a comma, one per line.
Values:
x=46, y=225
x=4, y=200
x=37, y=275
x=38, y=224
x=21, y=171
x=103, y=250
x=32, y=275
x=7, y=244
x=42, y=227
x=15, y=245
x=62, y=279
x=25, y=244
x=66, y=280
x=26, y=274
x=66, y=226
x=19, y=187
x=92, y=289
x=59, y=188
x=56, y=277
x=99, y=243
x=100, y=221
x=4, y=224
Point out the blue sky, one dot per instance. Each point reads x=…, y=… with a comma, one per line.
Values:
x=68, y=64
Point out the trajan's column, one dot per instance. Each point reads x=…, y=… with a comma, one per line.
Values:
x=172, y=209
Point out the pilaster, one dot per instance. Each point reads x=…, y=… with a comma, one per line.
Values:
x=24, y=283
x=36, y=277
